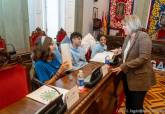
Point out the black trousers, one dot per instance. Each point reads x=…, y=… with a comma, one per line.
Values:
x=134, y=99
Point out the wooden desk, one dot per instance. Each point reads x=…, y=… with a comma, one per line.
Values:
x=114, y=42
x=101, y=99
x=158, y=49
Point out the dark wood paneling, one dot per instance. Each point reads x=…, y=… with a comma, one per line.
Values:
x=114, y=42
x=101, y=99
x=158, y=49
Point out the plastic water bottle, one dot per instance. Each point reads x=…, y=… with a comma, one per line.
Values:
x=81, y=79
x=107, y=60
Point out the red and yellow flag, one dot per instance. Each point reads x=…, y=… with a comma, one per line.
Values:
x=104, y=23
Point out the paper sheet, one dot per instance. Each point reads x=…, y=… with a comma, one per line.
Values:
x=100, y=57
x=72, y=96
x=46, y=94
x=88, y=41
x=66, y=54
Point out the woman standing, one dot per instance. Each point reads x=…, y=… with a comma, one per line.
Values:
x=136, y=67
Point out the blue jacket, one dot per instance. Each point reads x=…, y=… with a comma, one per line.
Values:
x=98, y=49
x=45, y=70
x=78, y=57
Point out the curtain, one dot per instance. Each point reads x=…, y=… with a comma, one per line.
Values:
x=14, y=26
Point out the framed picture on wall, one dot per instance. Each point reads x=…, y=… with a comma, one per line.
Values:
x=120, y=10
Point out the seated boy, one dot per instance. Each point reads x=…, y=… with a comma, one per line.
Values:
x=77, y=52
x=100, y=45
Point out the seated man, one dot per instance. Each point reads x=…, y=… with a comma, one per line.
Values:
x=77, y=52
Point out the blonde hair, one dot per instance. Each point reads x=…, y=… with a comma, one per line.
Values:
x=133, y=22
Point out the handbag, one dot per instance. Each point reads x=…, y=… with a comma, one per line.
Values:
x=96, y=20
x=96, y=23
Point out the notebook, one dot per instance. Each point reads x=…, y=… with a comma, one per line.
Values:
x=100, y=57
x=45, y=94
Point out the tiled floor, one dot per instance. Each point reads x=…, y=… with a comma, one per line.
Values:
x=155, y=99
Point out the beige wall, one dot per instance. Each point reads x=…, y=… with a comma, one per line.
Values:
x=86, y=14
x=78, y=15
x=14, y=25
x=141, y=9
x=102, y=5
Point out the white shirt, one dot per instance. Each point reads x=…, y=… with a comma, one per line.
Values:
x=126, y=50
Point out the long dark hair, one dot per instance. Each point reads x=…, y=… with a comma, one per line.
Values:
x=99, y=37
x=41, y=49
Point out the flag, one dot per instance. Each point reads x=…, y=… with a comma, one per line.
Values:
x=104, y=23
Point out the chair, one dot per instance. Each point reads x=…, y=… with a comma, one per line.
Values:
x=6, y=51
x=35, y=35
x=161, y=33
x=35, y=83
x=60, y=35
x=88, y=54
x=2, y=43
x=4, y=56
x=13, y=84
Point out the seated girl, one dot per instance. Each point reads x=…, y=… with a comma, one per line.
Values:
x=100, y=46
x=77, y=52
x=47, y=61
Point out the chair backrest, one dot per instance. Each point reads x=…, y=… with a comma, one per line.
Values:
x=60, y=35
x=2, y=43
x=88, y=54
x=161, y=33
x=35, y=83
x=13, y=84
x=35, y=35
